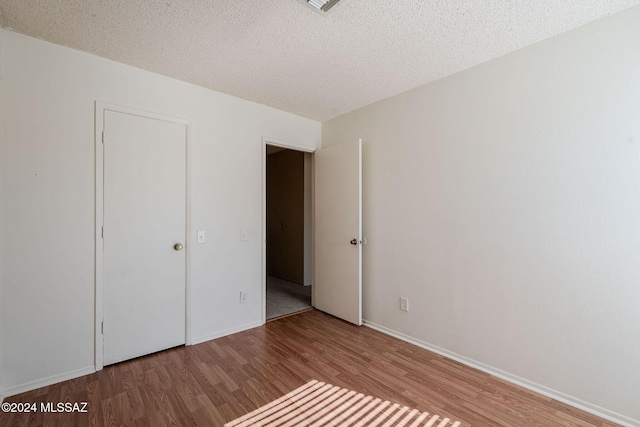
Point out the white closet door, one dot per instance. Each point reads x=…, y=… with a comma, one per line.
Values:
x=144, y=235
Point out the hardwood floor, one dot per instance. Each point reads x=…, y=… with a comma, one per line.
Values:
x=217, y=381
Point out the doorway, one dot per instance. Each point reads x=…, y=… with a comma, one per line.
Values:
x=334, y=177
x=288, y=268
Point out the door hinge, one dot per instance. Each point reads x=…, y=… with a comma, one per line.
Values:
x=103, y=137
x=102, y=327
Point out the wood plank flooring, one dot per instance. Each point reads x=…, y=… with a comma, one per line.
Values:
x=217, y=381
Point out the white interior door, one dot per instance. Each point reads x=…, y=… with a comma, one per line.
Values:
x=144, y=220
x=338, y=231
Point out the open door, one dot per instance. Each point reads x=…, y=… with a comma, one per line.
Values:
x=338, y=231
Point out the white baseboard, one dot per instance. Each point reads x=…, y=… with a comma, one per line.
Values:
x=529, y=385
x=198, y=340
x=32, y=385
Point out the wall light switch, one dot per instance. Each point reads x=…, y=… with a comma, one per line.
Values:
x=200, y=236
x=243, y=234
x=243, y=297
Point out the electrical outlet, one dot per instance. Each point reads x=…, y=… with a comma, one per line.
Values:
x=243, y=297
x=404, y=303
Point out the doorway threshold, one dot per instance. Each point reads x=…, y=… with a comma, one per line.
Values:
x=289, y=314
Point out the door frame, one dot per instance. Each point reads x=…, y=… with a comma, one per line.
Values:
x=289, y=146
x=100, y=108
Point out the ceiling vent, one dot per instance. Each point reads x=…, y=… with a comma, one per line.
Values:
x=321, y=6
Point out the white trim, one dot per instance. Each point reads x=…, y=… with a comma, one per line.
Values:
x=360, y=237
x=32, y=385
x=514, y=379
x=290, y=146
x=99, y=247
x=247, y=326
x=187, y=236
x=100, y=108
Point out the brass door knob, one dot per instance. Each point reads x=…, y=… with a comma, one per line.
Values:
x=178, y=246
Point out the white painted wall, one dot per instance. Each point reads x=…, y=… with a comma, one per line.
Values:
x=504, y=202
x=47, y=189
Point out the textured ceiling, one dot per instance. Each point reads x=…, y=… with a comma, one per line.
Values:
x=283, y=54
